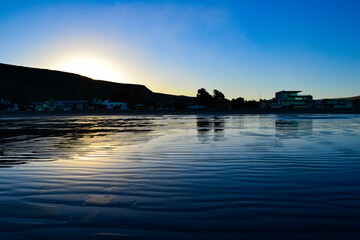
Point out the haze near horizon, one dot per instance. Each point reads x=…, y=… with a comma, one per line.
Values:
x=242, y=48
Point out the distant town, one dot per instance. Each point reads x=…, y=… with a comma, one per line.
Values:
x=203, y=101
x=25, y=89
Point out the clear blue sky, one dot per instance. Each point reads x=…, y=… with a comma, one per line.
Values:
x=242, y=48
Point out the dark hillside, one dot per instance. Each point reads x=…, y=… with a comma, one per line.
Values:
x=25, y=84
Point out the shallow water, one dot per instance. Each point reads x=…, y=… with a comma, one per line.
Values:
x=180, y=177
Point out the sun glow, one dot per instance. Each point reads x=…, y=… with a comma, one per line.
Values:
x=91, y=67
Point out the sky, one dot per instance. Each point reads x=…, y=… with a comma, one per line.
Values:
x=248, y=49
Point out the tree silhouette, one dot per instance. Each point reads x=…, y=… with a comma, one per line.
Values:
x=238, y=103
x=218, y=95
x=252, y=104
x=203, y=97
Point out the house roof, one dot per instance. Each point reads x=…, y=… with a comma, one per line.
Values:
x=283, y=91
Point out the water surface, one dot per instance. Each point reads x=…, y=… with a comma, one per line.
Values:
x=180, y=177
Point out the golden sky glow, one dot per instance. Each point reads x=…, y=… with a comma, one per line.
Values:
x=90, y=66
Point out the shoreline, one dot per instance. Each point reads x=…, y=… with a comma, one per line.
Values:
x=182, y=112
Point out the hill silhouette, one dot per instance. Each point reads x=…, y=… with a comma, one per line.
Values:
x=25, y=84
x=352, y=98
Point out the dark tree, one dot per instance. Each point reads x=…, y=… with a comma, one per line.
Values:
x=238, y=103
x=204, y=98
x=252, y=104
x=218, y=95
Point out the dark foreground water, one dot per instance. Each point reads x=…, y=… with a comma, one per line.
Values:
x=180, y=177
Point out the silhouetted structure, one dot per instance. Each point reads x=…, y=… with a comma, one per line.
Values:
x=334, y=103
x=292, y=99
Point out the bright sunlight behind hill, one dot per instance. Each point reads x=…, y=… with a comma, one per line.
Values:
x=90, y=66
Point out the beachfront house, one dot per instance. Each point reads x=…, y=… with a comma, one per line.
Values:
x=140, y=106
x=334, y=103
x=50, y=106
x=8, y=105
x=75, y=104
x=292, y=100
x=196, y=107
x=115, y=105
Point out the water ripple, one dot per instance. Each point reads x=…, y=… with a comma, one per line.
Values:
x=180, y=177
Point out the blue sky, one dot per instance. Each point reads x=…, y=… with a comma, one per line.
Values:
x=242, y=48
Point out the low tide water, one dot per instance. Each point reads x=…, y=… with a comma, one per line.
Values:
x=180, y=177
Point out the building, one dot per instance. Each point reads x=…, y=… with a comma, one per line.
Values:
x=196, y=107
x=334, y=103
x=29, y=107
x=292, y=100
x=75, y=104
x=50, y=106
x=140, y=107
x=8, y=105
x=115, y=105
x=269, y=104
